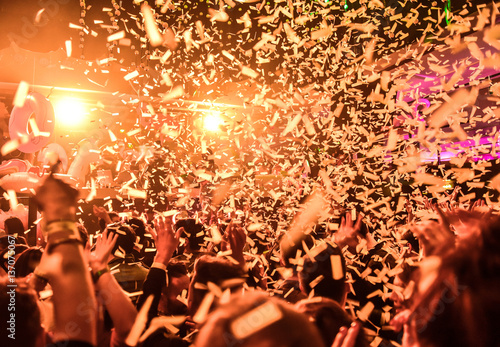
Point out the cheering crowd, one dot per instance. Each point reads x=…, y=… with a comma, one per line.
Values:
x=163, y=279
x=327, y=218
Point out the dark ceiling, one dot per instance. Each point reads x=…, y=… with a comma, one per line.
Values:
x=310, y=61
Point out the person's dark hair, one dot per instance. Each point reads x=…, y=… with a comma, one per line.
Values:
x=28, y=261
x=406, y=275
x=460, y=297
x=319, y=263
x=4, y=242
x=363, y=229
x=329, y=317
x=162, y=338
x=194, y=232
x=176, y=269
x=27, y=322
x=14, y=225
x=242, y=322
x=4, y=256
x=126, y=237
x=412, y=241
x=289, y=248
x=139, y=227
x=217, y=270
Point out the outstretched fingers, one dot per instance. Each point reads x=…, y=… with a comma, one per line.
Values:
x=347, y=337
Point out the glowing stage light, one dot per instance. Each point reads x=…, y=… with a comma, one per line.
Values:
x=69, y=112
x=212, y=121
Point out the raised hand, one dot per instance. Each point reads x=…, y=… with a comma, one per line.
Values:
x=434, y=236
x=347, y=337
x=480, y=206
x=235, y=237
x=101, y=212
x=166, y=240
x=57, y=199
x=453, y=196
x=409, y=210
x=64, y=266
x=467, y=223
x=348, y=231
x=98, y=259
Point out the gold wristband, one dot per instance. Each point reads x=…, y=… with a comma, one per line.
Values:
x=60, y=232
x=60, y=225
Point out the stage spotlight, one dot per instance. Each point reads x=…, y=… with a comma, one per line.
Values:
x=69, y=112
x=212, y=121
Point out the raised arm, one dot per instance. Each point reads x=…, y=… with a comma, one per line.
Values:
x=64, y=267
x=101, y=213
x=121, y=310
x=166, y=244
x=235, y=239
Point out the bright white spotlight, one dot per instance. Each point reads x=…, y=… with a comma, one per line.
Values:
x=69, y=112
x=212, y=121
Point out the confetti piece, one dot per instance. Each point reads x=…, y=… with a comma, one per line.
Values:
x=112, y=136
x=249, y=72
x=152, y=32
x=467, y=197
x=216, y=235
x=308, y=125
x=167, y=322
x=202, y=313
x=337, y=271
x=116, y=36
x=392, y=140
x=132, y=133
x=255, y=320
x=140, y=323
x=74, y=26
x=135, y=193
x=9, y=147
x=291, y=34
x=131, y=75
x=365, y=312
x=69, y=47
x=460, y=98
x=218, y=16
x=321, y=33
x=292, y=124
x=38, y=16
x=175, y=93
x=255, y=226
x=12, y=197
x=316, y=281
x=21, y=93
x=494, y=183
x=34, y=127
x=228, y=55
